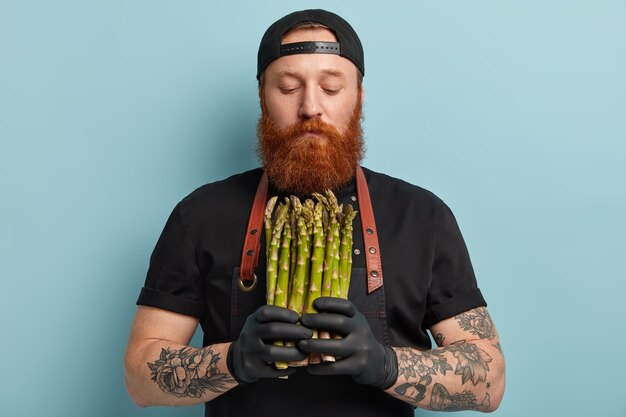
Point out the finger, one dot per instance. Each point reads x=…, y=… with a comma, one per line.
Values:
x=332, y=322
x=335, y=305
x=272, y=372
x=341, y=367
x=269, y=313
x=282, y=353
x=279, y=331
x=335, y=347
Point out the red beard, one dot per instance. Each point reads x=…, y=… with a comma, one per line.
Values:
x=302, y=165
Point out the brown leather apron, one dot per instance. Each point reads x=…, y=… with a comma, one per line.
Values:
x=301, y=394
x=366, y=284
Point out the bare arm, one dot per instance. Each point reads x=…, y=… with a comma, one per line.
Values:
x=466, y=371
x=161, y=369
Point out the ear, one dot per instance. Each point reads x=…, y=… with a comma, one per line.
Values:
x=261, y=85
x=262, y=97
x=362, y=92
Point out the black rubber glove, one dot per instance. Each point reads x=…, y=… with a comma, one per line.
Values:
x=358, y=353
x=252, y=356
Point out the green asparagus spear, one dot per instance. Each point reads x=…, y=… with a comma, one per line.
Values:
x=317, y=259
x=335, y=290
x=296, y=208
x=269, y=208
x=282, y=283
x=345, y=262
x=297, y=293
x=272, y=261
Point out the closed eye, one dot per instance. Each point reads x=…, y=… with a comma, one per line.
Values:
x=288, y=90
x=332, y=91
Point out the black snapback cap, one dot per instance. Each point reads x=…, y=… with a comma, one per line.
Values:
x=348, y=45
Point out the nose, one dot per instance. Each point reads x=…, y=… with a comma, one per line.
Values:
x=310, y=105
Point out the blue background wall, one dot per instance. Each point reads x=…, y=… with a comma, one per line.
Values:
x=512, y=111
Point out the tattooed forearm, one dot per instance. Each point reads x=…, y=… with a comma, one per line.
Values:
x=462, y=373
x=442, y=400
x=189, y=372
x=415, y=364
x=472, y=362
x=478, y=322
x=422, y=377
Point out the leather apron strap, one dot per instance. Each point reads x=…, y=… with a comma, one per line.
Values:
x=370, y=234
x=252, y=243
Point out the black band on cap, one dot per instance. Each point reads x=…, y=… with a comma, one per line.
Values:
x=310, y=48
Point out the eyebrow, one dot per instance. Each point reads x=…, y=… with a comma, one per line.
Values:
x=330, y=72
x=334, y=73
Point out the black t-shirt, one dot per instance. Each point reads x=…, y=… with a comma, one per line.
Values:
x=427, y=272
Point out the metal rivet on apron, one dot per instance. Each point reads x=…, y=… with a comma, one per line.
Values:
x=250, y=252
x=353, y=198
x=372, y=250
x=369, y=231
x=253, y=232
x=374, y=273
x=357, y=252
x=245, y=288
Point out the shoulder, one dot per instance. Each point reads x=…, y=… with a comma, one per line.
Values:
x=226, y=194
x=235, y=184
x=388, y=190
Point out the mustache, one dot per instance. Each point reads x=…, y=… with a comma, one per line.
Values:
x=310, y=125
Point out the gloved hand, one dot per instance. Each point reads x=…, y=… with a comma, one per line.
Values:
x=252, y=355
x=358, y=352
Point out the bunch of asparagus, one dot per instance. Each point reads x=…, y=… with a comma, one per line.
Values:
x=309, y=253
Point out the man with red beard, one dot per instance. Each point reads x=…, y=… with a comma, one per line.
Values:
x=204, y=268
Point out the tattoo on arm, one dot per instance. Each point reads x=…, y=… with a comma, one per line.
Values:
x=414, y=364
x=413, y=391
x=439, y=339
x=472, y=365
x=478, y=322
x=442, y=400
x=497, y=346
x=473, y=362
x=422, y=365
x=189, y=372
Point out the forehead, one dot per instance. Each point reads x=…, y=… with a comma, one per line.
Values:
x=311, y=64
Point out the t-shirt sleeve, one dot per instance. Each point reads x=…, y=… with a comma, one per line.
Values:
x=453, y=287
x=173, y=282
